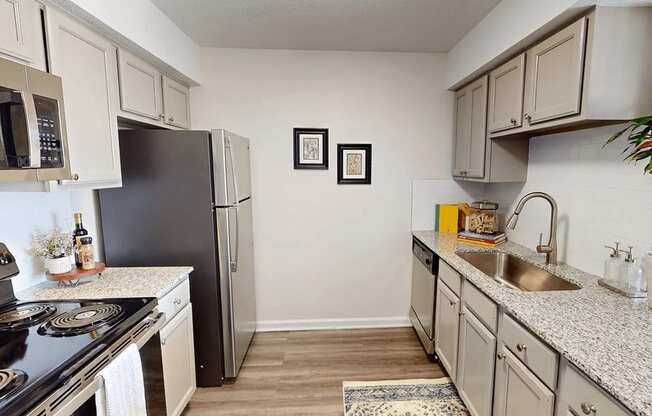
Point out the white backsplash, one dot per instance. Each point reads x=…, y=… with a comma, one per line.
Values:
x=25, y=213
x=601, y=198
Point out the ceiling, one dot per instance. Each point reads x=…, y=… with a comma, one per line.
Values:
x=357, y=25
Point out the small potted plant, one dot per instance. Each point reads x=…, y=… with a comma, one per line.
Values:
x=56, y=249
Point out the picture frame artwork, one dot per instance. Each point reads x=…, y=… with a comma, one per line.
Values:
x=310, y=148
x=354, y=164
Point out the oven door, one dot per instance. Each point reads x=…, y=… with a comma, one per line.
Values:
x=148, y=341
x=19, y=140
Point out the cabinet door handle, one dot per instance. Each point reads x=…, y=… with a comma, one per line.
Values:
x=75, y=176
x=527, y=117
x=452, y=302
x=588, y=408
x=521, y=347
x=512, y=120
x=500, y=355
x=162, y=116
x=177, y=301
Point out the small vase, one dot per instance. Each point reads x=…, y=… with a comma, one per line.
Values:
x=59, y=266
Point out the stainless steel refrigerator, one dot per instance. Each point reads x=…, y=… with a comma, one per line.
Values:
x=186, y=200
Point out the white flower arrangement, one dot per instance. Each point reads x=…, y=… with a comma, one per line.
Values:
x=55, y=245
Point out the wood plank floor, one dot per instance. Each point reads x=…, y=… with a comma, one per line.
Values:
x=301, y=373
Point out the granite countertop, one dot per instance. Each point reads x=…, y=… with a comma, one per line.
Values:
x=607, y=336
x=115, y=282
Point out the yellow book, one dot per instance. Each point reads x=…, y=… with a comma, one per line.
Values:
x=448, y=218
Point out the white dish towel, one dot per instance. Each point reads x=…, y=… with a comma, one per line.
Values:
x=123, y=391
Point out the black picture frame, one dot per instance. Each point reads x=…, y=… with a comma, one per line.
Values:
x=298, y=133
x=365, y=178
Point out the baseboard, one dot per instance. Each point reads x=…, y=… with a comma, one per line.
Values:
x=315, y=324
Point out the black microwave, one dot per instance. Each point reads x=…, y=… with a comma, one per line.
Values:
x=33, y=141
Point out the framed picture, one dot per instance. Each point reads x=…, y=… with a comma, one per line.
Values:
x=354, y=164
x=310, y=148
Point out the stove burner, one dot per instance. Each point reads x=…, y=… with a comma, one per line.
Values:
x=26, y=315
x=10, y=379
x=81, y=320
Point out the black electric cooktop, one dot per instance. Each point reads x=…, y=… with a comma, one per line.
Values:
x=43, y=343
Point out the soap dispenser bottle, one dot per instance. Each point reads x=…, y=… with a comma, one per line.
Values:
x=631, y=273
x=612, y=264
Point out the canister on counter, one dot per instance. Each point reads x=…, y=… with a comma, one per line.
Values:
x=86, y=253
x=482, y=218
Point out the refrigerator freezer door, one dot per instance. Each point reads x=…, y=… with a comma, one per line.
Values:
x=232, y=168
x=236, y=251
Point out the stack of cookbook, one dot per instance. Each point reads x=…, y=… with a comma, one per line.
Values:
x=486, y=240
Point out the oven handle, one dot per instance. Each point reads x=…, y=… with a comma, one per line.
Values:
x=156, y=323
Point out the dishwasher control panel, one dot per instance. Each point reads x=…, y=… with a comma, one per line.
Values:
x=425, y=256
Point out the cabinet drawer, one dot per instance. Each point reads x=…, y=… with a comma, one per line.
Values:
x=580, y=396
x=537, y=356
x=450, y=276
x=175, y=300
x=483, y=307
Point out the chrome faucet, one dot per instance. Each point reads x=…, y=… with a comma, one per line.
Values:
x=549, y=249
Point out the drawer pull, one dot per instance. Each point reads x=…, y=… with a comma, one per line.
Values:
x=588, y=408
x=177, y=301
x=500, y=355
x=452, y=302
x=521, y=347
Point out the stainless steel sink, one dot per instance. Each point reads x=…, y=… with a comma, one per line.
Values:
x=516, y=273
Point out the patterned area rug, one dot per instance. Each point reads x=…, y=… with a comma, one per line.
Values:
x=402, y=398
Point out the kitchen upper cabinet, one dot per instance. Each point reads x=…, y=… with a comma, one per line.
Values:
x=475, y=368
x=447, y=320
x=577, y=78
x=147, y=96
x=20, y=31
x=470, y=130
x=579, y=396
x=140, y=87
x=518, y=391
x=176, y=103
x=86, y=63
x=177, y=351
x=506, y=85
x=554, y=76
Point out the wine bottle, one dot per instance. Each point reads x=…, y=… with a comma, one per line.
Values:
x=77, y=234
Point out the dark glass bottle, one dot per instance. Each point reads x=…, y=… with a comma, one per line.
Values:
x=77, y=234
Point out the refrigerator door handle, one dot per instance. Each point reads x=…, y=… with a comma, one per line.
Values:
x=234, y=177
x=234, y=261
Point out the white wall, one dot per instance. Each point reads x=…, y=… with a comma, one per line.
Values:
x=328, y=254
x=144, y=28
x=25, y=213
x=601, y=199
x=426, y=193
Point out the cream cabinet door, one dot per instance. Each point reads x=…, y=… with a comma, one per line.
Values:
x=506, y=85
x=554, y=75
x=475, y=366
x=140, y=86
x=178, y=352
x=86, y=63
x=18, y=28
x=176, y=103
x=447, y=321
x=471, y=130
x=462, y=132
x=518, y=391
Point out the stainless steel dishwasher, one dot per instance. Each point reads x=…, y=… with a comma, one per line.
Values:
x=425, y=266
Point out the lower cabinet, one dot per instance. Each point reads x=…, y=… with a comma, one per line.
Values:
x=178, y=352
x=518, y=391
x=475, y=366
x=447, y=324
